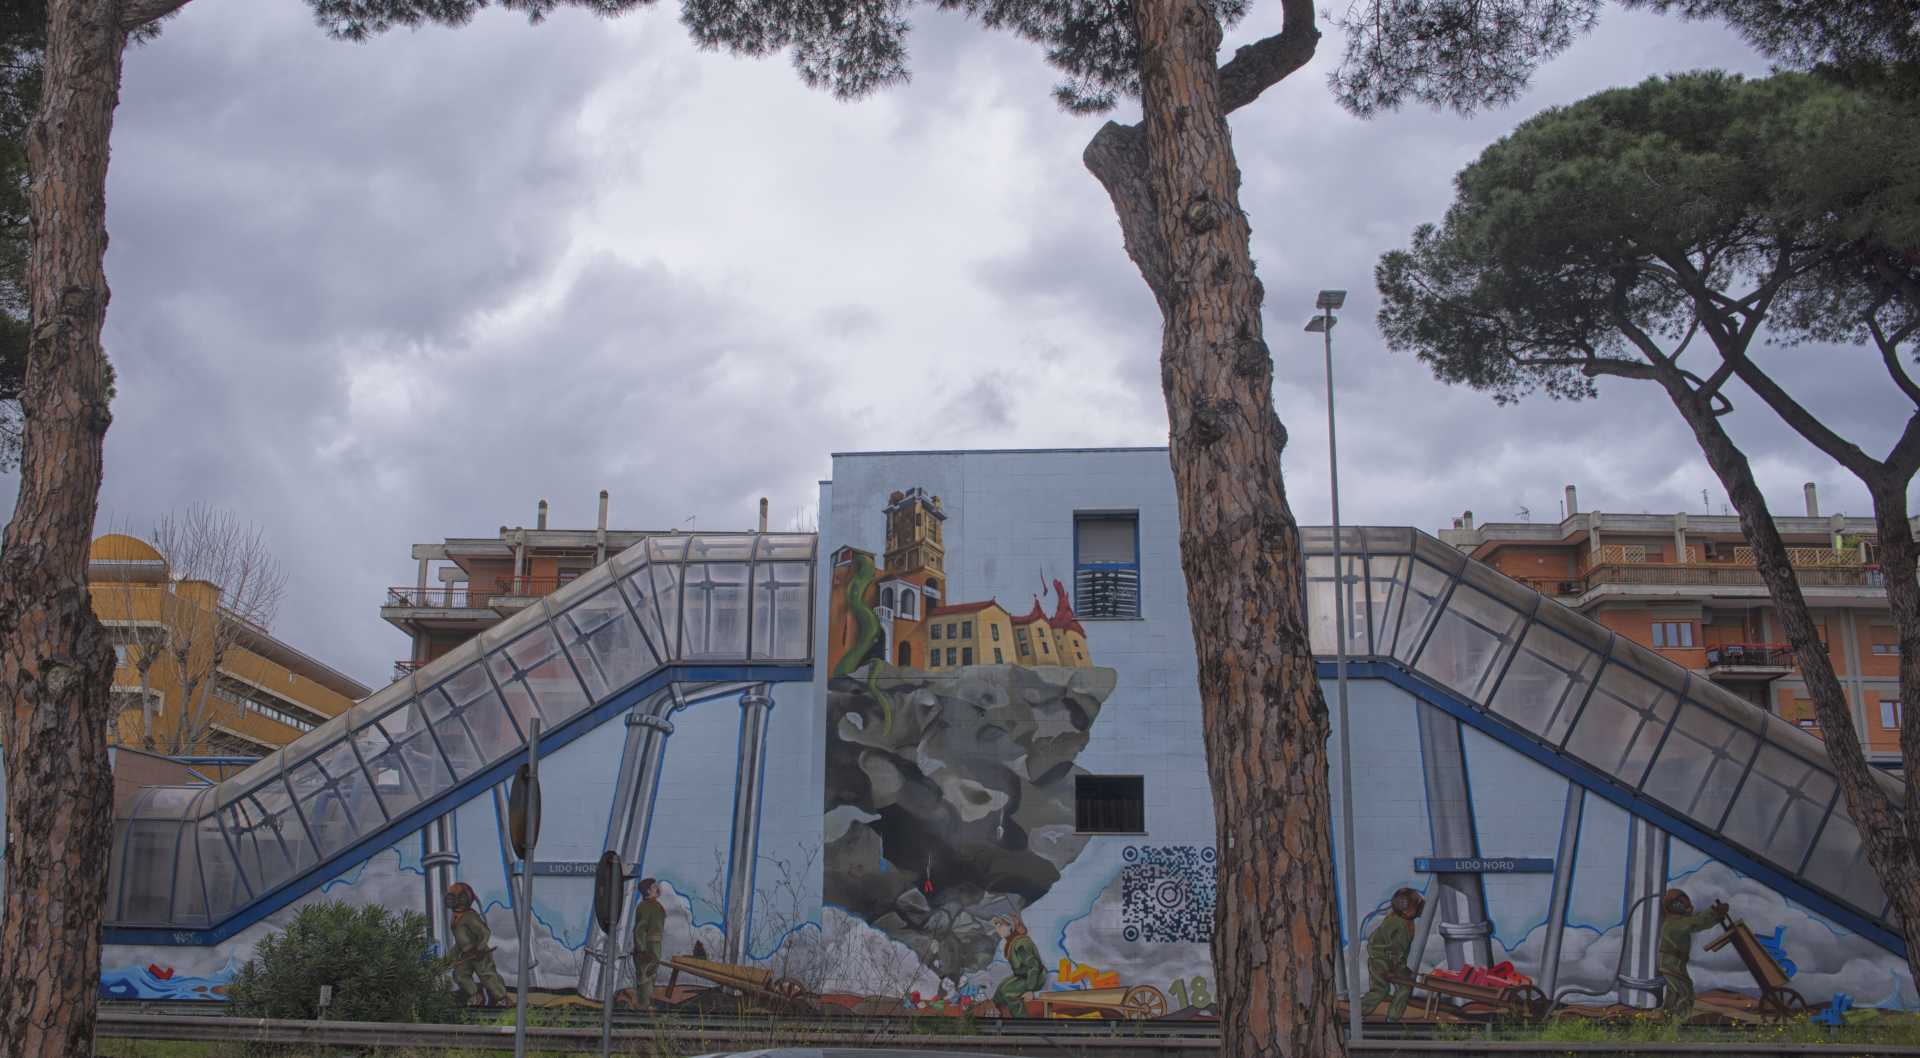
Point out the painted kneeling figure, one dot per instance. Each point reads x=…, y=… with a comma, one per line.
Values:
x=1387, y=951
x=1029, y=974
x=1678, y=924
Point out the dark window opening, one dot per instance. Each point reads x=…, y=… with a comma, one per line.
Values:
x=1109, y=804
x=906, y=655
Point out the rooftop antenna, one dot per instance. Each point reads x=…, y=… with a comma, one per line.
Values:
x=1525, y=514
x=1704, y=507
x=689, y=521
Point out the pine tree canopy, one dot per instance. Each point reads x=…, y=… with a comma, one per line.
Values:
x=1634, y=218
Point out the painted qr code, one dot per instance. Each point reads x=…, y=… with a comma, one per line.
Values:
x=1167, y=893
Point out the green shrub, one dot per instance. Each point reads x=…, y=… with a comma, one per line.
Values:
x=380, y=964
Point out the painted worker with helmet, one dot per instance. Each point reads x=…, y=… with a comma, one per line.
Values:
x=473, y=970
x=1387, y=951
x=649, y=928
x=1678, y=924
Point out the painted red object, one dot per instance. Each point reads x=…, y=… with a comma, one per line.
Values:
x=164, y=973
x=1502, y=975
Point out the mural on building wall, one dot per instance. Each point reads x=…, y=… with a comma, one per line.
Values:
x=928, y=861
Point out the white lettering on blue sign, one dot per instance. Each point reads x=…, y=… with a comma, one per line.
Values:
x=1490, y=865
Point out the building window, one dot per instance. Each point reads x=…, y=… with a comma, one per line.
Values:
x=1106, y=565
x=1024, y=648
x=1109, y=804
x=966, y=630
x=1043, y=644
x=933, y=658
x=997, y=659
x=966, y=655
x=1673, y=634
x=1890, y=713
x=951, y=652
x=908, y=597
x=996, y=632
x=935, y=633
x=1887, y=649
x=120, y=653
x=906, y=655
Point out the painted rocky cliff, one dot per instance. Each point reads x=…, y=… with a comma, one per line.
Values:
x=950, y=798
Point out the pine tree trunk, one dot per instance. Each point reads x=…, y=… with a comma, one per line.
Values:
x=1882, y=822
x=1275, y=934
x=1898, y=555
x=58, y=664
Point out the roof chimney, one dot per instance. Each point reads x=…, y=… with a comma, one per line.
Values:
x=1466, y=520
x=1573, y=501
x=602, y=524
x=763, y=514
x=1813, y=499
x=541, y=521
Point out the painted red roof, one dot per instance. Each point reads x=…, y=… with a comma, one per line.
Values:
x=1037, y=614
x=1063, y=611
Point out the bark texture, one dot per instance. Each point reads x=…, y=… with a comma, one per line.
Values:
x=58, y=661
x=1175, y=184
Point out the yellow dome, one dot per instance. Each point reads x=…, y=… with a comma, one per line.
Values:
x=119, y=547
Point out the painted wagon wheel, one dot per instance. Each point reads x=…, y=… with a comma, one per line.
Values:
x=788, y=988
x=1143, y=1002
x=1535, y=1005
x=1779, y=1004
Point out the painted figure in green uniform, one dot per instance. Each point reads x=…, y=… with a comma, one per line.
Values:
x=473, y=969
x=649, y=924
x=1678, y=924
x=1028, y=973
x=1387, y=951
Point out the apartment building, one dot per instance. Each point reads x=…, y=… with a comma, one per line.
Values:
x=466, y=585
x=1685, y=585
x=215, y=683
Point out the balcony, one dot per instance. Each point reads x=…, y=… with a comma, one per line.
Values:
x=1749, y=661
x=1732, y=574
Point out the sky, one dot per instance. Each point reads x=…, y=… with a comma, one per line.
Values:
x=368, y=295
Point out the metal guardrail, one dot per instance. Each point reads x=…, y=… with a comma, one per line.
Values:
x=1048, y=1039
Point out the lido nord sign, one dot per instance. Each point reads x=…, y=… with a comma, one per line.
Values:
x=1496, y=865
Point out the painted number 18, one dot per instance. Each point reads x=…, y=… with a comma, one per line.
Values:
x=1195, y=995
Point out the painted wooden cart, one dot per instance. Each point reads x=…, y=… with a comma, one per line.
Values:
x=759, y=988
x=1778, y=1001
x=1132, y=1002
x=1525, y=1002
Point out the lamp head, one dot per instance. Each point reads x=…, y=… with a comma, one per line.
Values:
x=1321, y=323
x=1330, y=299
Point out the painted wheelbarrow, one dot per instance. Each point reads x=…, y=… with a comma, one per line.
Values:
x=1132, y=1002
x=1778, y=1001
x=758, y=987
x=1519, y=998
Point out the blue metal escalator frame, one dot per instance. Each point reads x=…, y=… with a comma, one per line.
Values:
x=1601, y=785
x=399, y=829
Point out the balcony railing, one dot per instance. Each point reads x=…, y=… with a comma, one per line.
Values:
x=1724, y=575
x=449, y=597
x=530, y=587
x=1752, y=655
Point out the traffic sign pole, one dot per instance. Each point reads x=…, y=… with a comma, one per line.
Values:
x=529, y=819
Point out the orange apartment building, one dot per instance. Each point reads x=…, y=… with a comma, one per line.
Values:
x=250, y=695
x=466, y=585
x=1685, y=585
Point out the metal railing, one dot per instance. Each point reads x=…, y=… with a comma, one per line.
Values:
x=1770, y=655
x=449, y=597
x=1722, y=575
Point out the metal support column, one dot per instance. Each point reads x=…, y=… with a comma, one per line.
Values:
x=1639, y=976
x=635, y=793
x=1461, y=902
x=439, y=855
x=744, y=851
x=1562, y=885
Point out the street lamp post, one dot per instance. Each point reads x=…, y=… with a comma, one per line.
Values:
x=1323, y=325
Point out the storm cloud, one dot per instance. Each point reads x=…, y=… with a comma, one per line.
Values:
x=374, y=294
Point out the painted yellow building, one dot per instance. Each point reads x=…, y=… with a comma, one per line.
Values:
x=214, y=684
